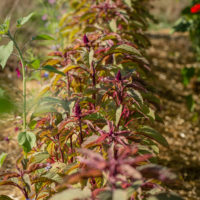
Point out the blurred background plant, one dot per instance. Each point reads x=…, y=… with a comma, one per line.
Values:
x=166, y=12
x=189, y=22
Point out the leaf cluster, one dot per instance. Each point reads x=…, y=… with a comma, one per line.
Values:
x=93, y=141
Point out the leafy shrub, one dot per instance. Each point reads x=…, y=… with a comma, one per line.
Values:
x=92, y=141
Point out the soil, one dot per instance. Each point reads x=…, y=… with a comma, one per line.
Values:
x=168, y=54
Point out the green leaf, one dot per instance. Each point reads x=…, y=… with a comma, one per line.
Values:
x=44, y=109
x=5, y=52
x=51, y=102
x=118, y=114
x=53, y=176
x=72, y=194
x=128, y=2
x=5, y=27
x=6, y=106
x=2, y=158
x=150, y=132
x=187, y=74
x=27, y=140
x=35, y=64
x=124, y=48
x=105, y=195
x=40, y=157
x=133, y=188
x=95, y=116
x=119, y=195
x=91, y=56
x=91, y=139
x=42, y=37
x=165, y=196
x=190, y=103
x=136, y=96
x=2, y=92
x=23, y=20
x=5, y=197
x=52, y=69
x=113, y=25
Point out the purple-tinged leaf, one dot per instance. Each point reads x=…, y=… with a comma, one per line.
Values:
x=85, y=39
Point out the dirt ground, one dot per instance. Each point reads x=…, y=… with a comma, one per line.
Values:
x=168, y=54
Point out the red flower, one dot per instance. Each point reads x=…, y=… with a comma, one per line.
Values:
x=195, y=8
x=18, y=72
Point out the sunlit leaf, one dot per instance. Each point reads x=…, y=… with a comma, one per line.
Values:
x=35, y=64
x=24, y=20
x=124, y=48
x=113, y=25
x=91, y=55
x=52, y=69
x=5, y=197
x=129, y=3
x=119, y=195
x=40, y=157
x=90, y=140
x=118, y=114
x=149, y=132
x=72, y=194
x=42, y=37
x=5, y=27
x=53, y=176
x=5, y=52
x=2, y=158
x=27, y=140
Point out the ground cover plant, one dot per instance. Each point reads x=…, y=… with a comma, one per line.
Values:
x=86, y=136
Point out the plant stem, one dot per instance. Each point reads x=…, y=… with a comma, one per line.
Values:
x=24, y=78
x=60, y=149
x=93, y=81
x=80, y=134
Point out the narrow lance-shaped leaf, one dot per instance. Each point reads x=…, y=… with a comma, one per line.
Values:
x=150, y=132
x=113, y=25
x=129, y=3
x=118, y=114
x=72, y=194
x=42, y=37
x=5, y=52
x=124, y=48
x=52, y=69
x=91, y=56
x=23, y=20
x=2, y=158
x=5, y=197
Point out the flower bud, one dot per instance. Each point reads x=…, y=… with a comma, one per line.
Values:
x=85, y=39
x=118, y=76
x=77, y=109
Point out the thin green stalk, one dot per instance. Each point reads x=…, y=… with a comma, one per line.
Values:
x=24, y=78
